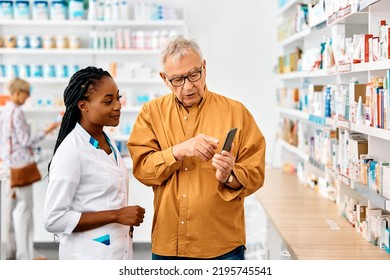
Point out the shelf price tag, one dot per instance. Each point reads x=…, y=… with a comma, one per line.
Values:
x=343, y=68
x=346, y=181
x=343, y=124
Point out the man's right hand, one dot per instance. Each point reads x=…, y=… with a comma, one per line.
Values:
x=202, y=146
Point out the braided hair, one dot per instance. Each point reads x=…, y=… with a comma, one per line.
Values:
x=81, y=84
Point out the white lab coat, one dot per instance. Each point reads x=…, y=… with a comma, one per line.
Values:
x=85, y=179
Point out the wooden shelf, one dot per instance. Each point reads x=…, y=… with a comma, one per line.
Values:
x=300, y=216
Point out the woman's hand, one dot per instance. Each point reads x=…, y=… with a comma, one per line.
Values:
x=51, y=127
x=131, y=215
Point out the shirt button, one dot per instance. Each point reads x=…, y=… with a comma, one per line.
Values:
x=184, y=195
x=126, y=252
x=185, y=117
x=182, y=222
x=185, y=168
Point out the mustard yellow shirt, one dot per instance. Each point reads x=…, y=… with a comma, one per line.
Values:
x=194, y=214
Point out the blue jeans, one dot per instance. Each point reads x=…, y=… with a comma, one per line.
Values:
x=236, y=254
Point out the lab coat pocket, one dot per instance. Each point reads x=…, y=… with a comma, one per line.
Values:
x=90, y=249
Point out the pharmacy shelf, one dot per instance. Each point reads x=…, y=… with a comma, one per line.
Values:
x=372, y=196
x=343, y=124
x=294, y=150
x=338, y=176
x=354, y=68
x=294, y=113
x=365, y=3
x=301, y=75
x=371, y=131
x=295, y=37
x=344, y=16
x=368, y=18
x=66, y=80
x=287, y=6
x=318, y=23
x=92, y=23
x=39, y=110
x=371, y=66
x=300, y=218
x=317, y=164
x=81, y=51
x=363, y=190
x=317, y=119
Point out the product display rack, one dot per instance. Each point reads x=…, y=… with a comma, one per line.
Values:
x=136, y=88
x=83, y=56
x=363, y=21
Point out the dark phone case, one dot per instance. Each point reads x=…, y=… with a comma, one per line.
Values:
x=229, y=140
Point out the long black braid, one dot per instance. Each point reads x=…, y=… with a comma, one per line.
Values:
x=80, y=85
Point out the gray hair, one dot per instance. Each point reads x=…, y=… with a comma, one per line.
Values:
x=18, y=84
x=177, y=47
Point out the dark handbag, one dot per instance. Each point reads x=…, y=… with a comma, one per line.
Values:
x=26, y=175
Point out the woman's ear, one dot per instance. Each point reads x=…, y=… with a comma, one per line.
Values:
x=82, y=106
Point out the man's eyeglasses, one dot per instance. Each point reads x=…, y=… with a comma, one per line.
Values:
x=192, y=77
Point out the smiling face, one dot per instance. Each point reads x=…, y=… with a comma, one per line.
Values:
x=189, y=93
x=102, y=106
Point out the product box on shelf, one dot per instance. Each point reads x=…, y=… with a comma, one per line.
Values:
x=386, y=182
x=386, y=240
x=6, y=9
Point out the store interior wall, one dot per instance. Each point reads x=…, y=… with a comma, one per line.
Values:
x=238, y=41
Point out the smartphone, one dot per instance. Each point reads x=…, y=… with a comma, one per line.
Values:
x=227, y=145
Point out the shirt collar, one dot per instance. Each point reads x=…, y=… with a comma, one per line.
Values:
x=93, y=141
x=202, y=101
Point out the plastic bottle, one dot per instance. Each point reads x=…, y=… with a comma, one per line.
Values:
x=115, y=12
x=328, y=97
x=92, y=10
x=359, y=112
